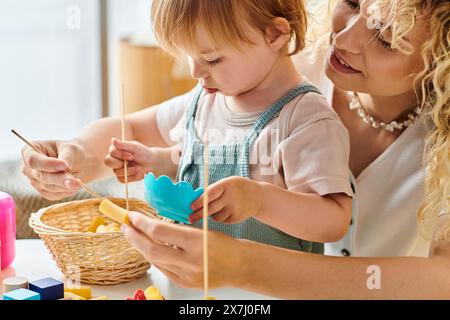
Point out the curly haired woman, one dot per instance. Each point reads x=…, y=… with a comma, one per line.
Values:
x=386, y=72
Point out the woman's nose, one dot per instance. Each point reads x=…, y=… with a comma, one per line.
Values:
x=354, y=35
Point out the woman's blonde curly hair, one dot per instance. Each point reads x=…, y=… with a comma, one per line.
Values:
x=433, y=89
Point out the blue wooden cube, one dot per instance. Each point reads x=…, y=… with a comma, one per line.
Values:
x=48, y=288
x=21, y=294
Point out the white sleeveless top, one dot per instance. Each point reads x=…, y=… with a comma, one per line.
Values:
x=388, y=192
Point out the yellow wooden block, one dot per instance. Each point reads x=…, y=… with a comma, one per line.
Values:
x=153, y=293
x=72, y=296
x=114, y=212
x=83, y=291
x=100, y=298
x=96, y=222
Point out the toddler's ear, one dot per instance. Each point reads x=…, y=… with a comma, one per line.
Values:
x=278, y=33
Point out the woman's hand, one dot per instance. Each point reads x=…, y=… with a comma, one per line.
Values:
x=141, y=160
x=231, y=200
x=47, y=173
x=177, y=251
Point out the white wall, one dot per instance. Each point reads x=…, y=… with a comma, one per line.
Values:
x=49, y=72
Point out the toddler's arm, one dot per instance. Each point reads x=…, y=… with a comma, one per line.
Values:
x=304, y=215
x=95, y=139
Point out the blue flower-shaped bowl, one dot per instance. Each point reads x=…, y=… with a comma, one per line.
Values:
x=170, y=200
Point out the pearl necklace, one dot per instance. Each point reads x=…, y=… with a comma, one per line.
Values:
x=355, y=104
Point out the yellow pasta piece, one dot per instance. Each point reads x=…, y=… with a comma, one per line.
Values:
x=100, y=298
x=96, y=221
x=112, y=228
x=102, y=229
x=152, y=293
x=114, y=212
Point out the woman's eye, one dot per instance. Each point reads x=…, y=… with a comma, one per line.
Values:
x=214, y=62
x=386, y=45
x=352, y=4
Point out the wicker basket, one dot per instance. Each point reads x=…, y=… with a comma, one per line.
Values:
x=92, y=258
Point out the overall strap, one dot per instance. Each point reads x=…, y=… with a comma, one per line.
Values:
x=190, y=133
x=190, y=115
x=265, y=118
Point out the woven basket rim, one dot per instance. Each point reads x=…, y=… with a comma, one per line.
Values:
x=96, y=254
x=35, y=219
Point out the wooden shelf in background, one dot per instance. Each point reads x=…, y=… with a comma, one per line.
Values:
x=147, y=73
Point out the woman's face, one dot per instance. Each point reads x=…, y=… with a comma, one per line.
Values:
x=361, y=60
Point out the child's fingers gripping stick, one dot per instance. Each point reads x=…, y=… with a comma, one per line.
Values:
x=120, y=150
x=125, y=150
x=114, y=212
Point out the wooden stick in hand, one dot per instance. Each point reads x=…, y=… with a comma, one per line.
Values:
x=88, y=189
x=205, y=217
x=123, y=139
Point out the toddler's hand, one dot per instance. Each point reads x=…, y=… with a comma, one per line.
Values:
x=231, y=200
x=140, y=159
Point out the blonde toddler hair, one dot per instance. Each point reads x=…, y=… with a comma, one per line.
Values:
x=225, y=21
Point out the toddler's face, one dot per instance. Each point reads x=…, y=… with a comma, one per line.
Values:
x=360, y=60
x=228, y=70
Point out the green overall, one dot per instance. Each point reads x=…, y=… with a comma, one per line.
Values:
x=233, y=160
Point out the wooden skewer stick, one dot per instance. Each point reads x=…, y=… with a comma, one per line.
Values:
x=123, y=139
x=205, y=217
x=88, y=189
